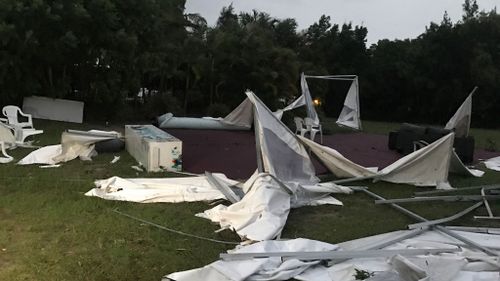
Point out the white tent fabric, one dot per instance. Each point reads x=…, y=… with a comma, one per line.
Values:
x=240, y=118
x=257, y=269
x=458, y=167
x=493, y=163
x=311, y=112
x=73, y=144
x=300, y=101
x=152, y=190
x=282, y=153
x=242, y=115
x=460, y=122
x=43, y=155
x=340, y=166
x=350, y=116
x=260, y=215
x=464, y=265
x=428, y=166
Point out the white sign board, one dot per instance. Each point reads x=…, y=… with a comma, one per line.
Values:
x=54, y=109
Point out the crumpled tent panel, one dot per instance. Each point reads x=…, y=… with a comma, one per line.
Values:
x=260, y=215
x=311, y=112
x=460, y=121
x=493, y=163
x=282, y=153
x=464, y=265
x=350, y=116
x=458, y=167
x=152, y=190
x=428, y=166
x=340, y=166
x=257, y=269
x=73, y=144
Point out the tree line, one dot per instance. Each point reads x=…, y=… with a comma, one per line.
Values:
x=139, y=59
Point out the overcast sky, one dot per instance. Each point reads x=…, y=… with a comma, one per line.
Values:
x=389, y=19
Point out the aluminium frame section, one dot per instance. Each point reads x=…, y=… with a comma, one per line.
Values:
x=256, y=127
x=438, y=227
x=447, y=219
x=223, y=188
x=476, y=229
x=453, y=198
x=488, y=209
x=486, y=187
x=335, y=255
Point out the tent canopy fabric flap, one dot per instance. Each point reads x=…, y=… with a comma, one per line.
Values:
x=428, y=166
x=460, y=121
x=311, y=112
x=349, y=116
x=340, y=166
x=283, y=155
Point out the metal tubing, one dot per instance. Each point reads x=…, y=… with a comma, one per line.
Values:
x=335, y=255
x=438, y=227
x=448, y=219
x=487, y=187
x=439, y=198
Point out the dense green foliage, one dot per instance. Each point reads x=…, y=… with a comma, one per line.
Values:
x=105, y=51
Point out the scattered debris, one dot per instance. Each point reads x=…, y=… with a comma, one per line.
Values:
x=115, y=159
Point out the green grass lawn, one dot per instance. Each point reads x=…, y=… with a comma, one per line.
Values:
x=51, y=231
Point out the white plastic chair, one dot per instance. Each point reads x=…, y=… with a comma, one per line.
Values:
x=313, y=128
x=6, y=158
x=300, y=126
x=22, y=130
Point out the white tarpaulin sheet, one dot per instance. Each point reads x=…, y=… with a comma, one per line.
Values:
x=73, y=144
x=240, y=118
x=350, y=116
x=428, y=166
x=260, y=215
x=152, y=190
x=493, y=163
x=458, y=167
x=257, y=269
x=460, y=122
x=311, y=112
x=464, y=265
x=340, y=166
x=283, y=155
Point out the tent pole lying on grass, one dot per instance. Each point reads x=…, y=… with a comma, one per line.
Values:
x=487, y=230
x=438, y=227
x=335, y=255
x=486, y=187
x=223, y=188
x=443, y=220
x=460, y=198
x=173, y=230
x=488, y=209
x=355, y=179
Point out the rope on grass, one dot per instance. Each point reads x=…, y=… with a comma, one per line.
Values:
x=175, y=231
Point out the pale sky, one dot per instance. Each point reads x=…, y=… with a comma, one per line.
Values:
x=391, y=19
